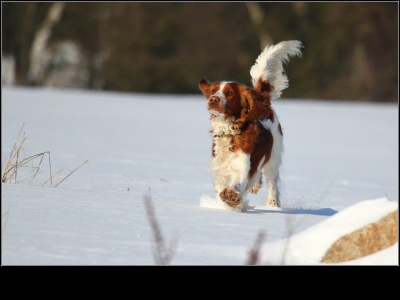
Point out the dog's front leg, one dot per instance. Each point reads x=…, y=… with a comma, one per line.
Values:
x=232, y=196
x=230, y=177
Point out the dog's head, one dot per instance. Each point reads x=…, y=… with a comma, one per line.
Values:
x=230, y=99
x=233, y=100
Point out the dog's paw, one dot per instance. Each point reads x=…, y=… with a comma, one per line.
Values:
x=255, y=188
x=230, y=197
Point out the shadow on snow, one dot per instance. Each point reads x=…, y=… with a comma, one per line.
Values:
x=295, y=211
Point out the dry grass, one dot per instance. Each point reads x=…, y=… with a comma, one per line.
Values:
x=162, y=254
x=254, y=254
x=4, y=218
x=20, y=168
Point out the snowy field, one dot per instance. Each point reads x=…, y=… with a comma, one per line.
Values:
x=337, y=156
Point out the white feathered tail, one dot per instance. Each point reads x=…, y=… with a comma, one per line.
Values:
x=269, y=65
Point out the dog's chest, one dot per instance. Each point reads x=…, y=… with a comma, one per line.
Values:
x=222, y=139
x=221, y=149
x=220, y=126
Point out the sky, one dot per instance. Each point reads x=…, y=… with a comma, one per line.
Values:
x=129, y=169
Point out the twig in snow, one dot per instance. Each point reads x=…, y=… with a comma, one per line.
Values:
x=254, y=255
x=162, y=254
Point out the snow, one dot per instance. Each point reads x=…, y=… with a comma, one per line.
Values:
x=339, y=173
x=328, y=231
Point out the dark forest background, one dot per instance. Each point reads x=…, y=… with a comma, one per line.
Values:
x=351, y=48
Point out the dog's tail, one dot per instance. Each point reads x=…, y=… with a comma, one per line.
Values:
x=269, y=66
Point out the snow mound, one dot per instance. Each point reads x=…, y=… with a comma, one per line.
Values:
x=310, y=245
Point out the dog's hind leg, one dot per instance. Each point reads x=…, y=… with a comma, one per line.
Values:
x=271, y=171
x=271, y=168
x=257, y=185
x=273, y=192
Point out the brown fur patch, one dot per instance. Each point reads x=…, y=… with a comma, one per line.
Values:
x=256, y=141
x=232, y=92
x=262, y=150
x=213, y=151
x=256, y=104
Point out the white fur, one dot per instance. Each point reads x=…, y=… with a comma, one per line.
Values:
x=269, y=65
x=220, y=125
x=220, y=93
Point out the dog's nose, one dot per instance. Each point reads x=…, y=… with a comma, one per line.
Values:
x=213, y=99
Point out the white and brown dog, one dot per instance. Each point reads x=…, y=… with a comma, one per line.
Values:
x=247, y=135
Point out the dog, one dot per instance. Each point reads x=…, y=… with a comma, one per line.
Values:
x=247, y=135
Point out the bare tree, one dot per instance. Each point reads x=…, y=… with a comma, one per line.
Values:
x=38, y=61
x=256, y=14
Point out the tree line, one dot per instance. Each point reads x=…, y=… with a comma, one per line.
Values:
x=351, y=48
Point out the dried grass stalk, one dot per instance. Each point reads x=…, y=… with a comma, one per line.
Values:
x=254, y=254
x=13, y=164
x=162, y=254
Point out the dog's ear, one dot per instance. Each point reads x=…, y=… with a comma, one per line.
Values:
x=245, y=104
x=203, y=80
x=247, y=98
x=254, y=105
x=205, y=87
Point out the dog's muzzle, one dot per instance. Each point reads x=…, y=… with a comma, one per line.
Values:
x=216, y=101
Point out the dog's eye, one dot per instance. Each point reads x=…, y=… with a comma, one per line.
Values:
x=229, y=93
x=213, y=91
